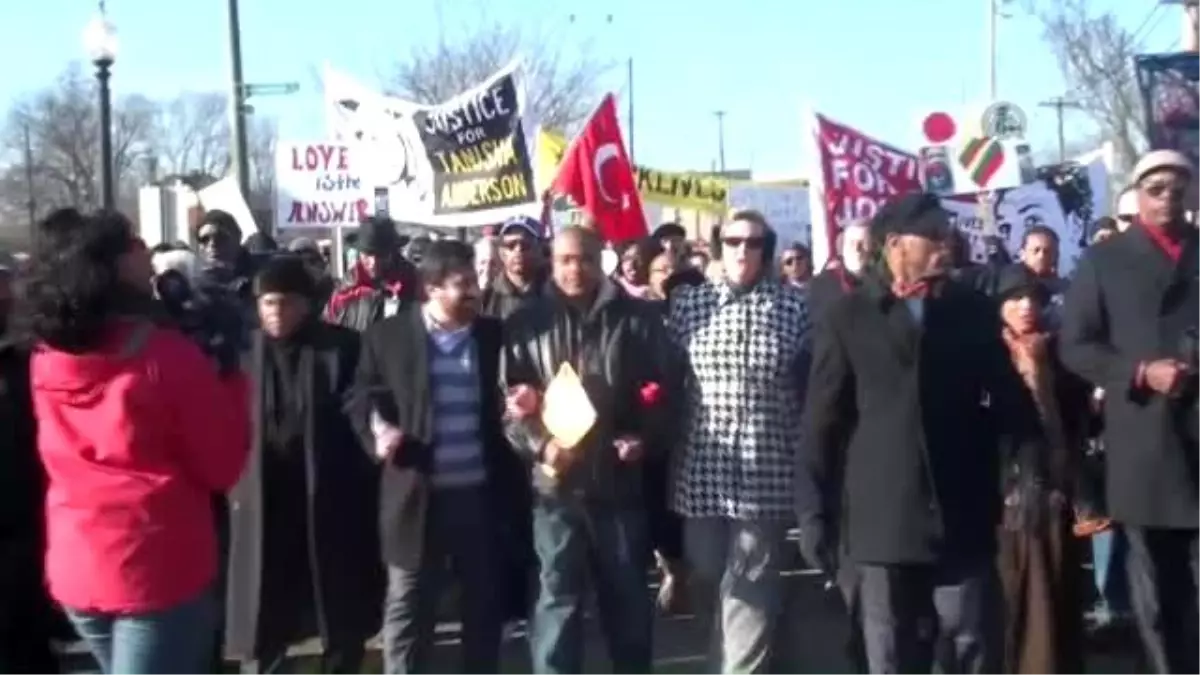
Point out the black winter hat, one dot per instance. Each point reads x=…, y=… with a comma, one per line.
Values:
x=285, y=273
x=1018, y=281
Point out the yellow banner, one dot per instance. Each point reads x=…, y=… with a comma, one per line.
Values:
x=685, y=190
x=550, y=150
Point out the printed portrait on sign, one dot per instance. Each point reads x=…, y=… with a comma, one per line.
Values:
x=382, y=128
x=1060, y=199
x=1174, y=113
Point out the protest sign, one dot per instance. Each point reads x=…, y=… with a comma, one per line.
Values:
x=1064, y=197
x=225, y=195
x=964, y=153
x=1171, y=99
x=686, y=190
x=786, y=208
x=319, y=184
x=461, y=163
x=855, y=174
x=701, y=192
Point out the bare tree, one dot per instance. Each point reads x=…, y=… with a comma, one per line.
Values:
x=63, y=127
x=261, y=137
x=192, y=135
x=560, y=92
x=1096, y=57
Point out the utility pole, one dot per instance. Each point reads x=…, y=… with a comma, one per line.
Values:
x=1191, y=26
x=1060, y=105
x=629, y=103
x=993, y=14
x=720, y=114
x=239, y=161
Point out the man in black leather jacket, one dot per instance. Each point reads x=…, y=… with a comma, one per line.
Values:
x=588, y=503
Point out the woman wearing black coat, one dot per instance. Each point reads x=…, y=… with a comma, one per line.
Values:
x=1038, y=555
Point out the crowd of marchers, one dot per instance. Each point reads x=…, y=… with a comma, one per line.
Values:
x=218, y=454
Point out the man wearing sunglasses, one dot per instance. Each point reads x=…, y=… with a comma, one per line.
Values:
x=522, y=269
x=795, y=265
x=1129, y=326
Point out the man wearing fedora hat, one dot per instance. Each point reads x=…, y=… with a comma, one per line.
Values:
x=381, y=281
x=1129, y=326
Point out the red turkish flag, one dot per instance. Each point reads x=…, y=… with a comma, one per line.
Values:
x=595, y=172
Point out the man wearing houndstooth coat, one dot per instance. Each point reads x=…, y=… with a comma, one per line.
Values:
x=742, y=341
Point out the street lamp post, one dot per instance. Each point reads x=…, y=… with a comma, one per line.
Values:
x=100, y=41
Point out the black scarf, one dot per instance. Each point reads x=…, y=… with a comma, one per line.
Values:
x=286, y=385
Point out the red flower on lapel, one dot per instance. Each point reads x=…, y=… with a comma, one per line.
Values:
x=650, y=394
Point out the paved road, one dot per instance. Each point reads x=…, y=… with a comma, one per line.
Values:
x=811, y=641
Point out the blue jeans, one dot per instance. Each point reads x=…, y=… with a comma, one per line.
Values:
x=1108, y=570
x=174, y=640
x=575, y=539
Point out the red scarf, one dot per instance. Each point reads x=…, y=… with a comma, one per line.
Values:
x=1169, y=244
x=910, y=291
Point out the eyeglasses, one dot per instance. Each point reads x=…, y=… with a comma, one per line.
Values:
x=207, y=239
x=1157, y=189
x=752, y=243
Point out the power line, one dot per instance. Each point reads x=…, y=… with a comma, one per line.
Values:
x=1149, y=15
x=1141, y=36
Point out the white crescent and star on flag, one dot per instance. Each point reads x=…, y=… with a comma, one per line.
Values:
x=604, y=154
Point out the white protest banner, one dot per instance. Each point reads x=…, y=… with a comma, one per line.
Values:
x=319, y=184
x=225, y=195
x=786, y=208
x=462, y=163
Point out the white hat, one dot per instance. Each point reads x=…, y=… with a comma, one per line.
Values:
x=1157, y=160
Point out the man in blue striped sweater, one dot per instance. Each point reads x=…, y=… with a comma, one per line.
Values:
x=427, y=406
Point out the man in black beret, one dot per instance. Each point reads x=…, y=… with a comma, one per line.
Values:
x=910, y=367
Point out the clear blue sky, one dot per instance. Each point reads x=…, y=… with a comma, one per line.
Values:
x=876, y=64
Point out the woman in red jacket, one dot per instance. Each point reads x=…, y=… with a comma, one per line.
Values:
x=136, y=432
